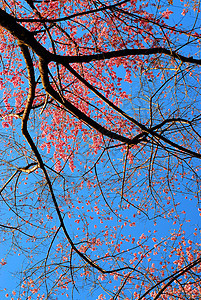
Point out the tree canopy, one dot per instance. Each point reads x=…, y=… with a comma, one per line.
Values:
x=100, y=149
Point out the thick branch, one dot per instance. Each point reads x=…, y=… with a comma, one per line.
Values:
x=129, y=52
x=31, y=143
x=145, y=129
x=32, y=85
x=22, y=34
x=26, y=37
x=75, y=111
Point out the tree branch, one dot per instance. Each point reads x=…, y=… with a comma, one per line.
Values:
x=172, y=278
x=22, y=34
x=83, y=13
x=130, y=52
x=75, y=111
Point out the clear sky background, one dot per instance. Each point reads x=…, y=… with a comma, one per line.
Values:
x=189, y=205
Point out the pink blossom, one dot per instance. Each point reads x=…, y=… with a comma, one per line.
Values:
x=167, y=13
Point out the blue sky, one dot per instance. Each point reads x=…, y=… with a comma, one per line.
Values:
x=110, y=169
